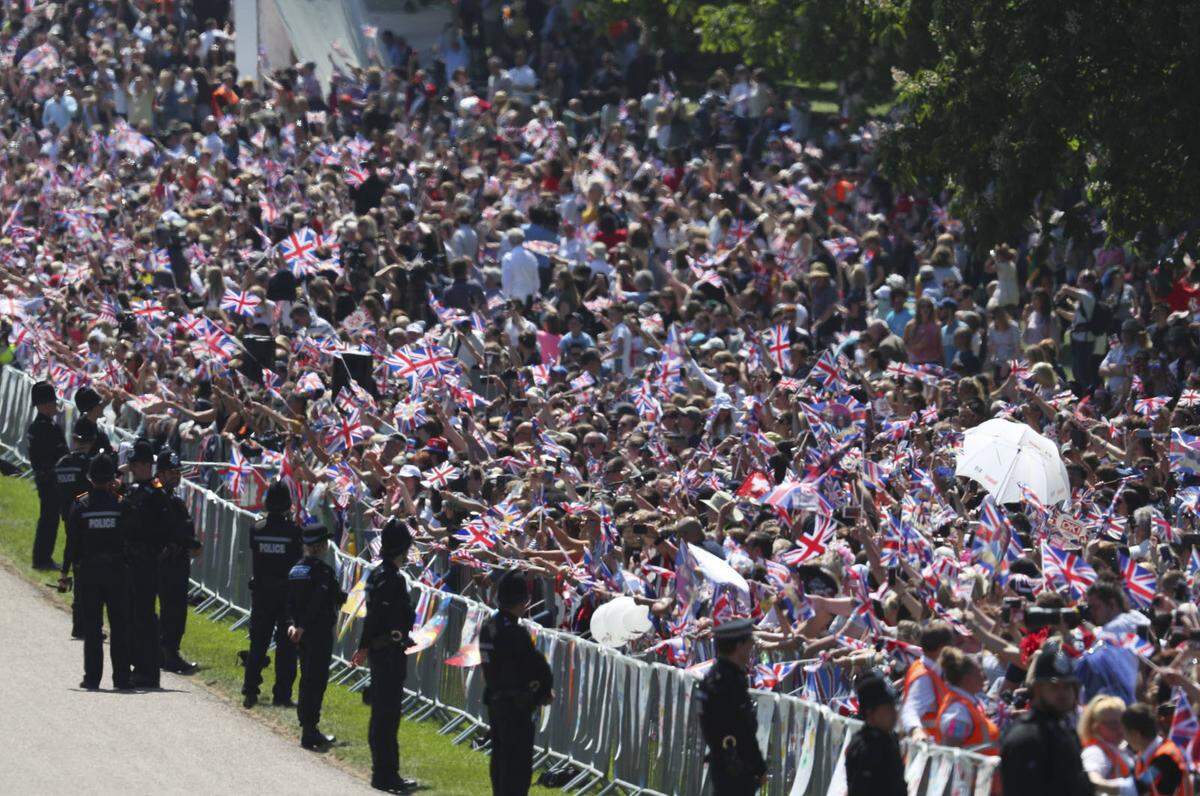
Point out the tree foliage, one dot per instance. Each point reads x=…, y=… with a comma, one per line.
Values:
x=1027, y=98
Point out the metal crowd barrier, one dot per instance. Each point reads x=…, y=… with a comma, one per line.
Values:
x=616, y=724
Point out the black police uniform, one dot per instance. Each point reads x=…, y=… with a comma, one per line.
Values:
x=47, y=444
x=385, y=635
x=174, y=573
x=1040, y=756
x=96, y=533
x=274, y=549
x=874, y=766
x=314, y=598
x=70, y=476
x=148, y=504
x=729, y=724
x=517, y=679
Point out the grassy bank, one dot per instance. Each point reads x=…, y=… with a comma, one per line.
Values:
x=424, y=755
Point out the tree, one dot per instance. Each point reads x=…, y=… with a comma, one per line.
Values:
x=797, y=40
x=1028, y=99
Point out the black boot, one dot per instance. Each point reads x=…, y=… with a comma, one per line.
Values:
x=249, y=701
x=313, y=739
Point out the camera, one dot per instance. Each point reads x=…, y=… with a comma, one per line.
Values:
x=1036, y=618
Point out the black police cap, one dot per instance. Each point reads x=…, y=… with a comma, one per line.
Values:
x=873, y=690
x=167, y=459
x=278, y=498
x=734, y=630
x=101, y=470
x=512, y=589
x=1054, y=666
x=314, y=533
x=87, y=399
x=42, y=393
x=142, y=453
x=395, y=539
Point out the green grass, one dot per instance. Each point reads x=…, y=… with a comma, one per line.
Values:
x=424, y=755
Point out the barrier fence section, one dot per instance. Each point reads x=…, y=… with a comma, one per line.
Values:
x=617, y=722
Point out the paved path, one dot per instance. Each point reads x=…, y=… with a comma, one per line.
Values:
x=56, y=738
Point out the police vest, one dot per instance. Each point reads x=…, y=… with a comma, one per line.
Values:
x=1118, y=766
x=985, y=735
x=915, y=672
x=1167, y=749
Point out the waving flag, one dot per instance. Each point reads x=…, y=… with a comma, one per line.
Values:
x=347, y=432
x=777, y=341
x=810, y=545
x=440, y=476
x=299, y=248
x=825, y=370
x=240, y=303
x=1189, y=398
x=1140, y=583
x=1067, y=569
x=1184, y=452
x=1184, y=726
x=148, y=309
x=158, y=261
x=770, y=675
x=840, y=248
x=237, y=472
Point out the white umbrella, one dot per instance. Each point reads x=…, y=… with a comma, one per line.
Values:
x=1002, y=456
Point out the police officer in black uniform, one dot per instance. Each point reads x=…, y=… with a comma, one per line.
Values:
x=384, y=641
x=91, y=406
x=314, y=598
x=147, y=538
x=274, y=550
x=728, y=719
x=47, y=445
x=70, y=474
x=174, y=564
x=95, y=548
x=873, y=763
x=1039, y=751
x=516, y=681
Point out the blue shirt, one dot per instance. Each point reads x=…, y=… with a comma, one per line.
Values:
x=1107, y=668
x=897, y=320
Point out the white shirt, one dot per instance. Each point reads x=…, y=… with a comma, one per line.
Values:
x=519, y=274
x=1008, y=293
x=1096, y=761
x=621, y=340
x=921, y=698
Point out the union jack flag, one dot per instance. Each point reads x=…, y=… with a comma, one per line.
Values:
x=347, y=432
x=840, y=248
x=1140, y=583
x=158, y=261
x=270, y=213
x=240, y=303
x=299, y=247
x=1189, y=398
x=409, y=415
x=237, y=472
x=811, y=545
x=1151, y=406
x=1184, y=452
x=432, y=362
x=825, y=370
x=356, y=176
x=1068, y=569
x=770, y=675
x=148, y=309
x=440, y=476
x=1184, y=725
x=777, y=341
x=475, y=534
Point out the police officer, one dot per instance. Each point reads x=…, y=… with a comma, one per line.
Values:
x=70, y=475
x=384, y=641
x=274, y=549
x=91, y=406
x=516, y=681
x=728, y=720
x=95, y=549
x=314, y=598
x=174, y=564
x=47, y=445
x=873, y=763
x=1039, y=752
x=148, y=506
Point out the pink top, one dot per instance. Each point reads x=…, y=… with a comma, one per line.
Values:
x=924, y=344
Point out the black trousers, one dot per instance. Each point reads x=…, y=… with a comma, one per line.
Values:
x=267, y=604
x=173, y=574
x=725, y=783
x=147, y=656
x=102, y=584
x=76, y=625
x=49, y=511
x=389, y=666
x=511, y=765
x=316, y=653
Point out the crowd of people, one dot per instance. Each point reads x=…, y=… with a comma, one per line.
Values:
x=684, y=345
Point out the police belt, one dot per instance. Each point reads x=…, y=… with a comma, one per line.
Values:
x=520, y=698
x=390, y=640
x=143, y=550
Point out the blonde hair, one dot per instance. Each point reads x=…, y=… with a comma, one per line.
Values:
x=1100, y=704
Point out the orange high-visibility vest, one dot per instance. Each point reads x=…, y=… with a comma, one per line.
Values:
x=1120, y=766
x=1167, y=749
x=984, y=738
x=916, y=670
